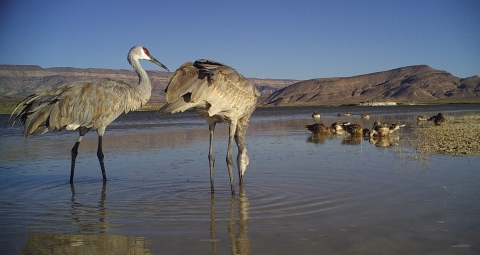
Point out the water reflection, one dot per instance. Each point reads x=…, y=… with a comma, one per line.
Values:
x=157, y=201
x=352, y=140
x=237, y=228
x=88, y=239
x=78, y=213
x=318, y=138
x=385, y=142
x=239, y=242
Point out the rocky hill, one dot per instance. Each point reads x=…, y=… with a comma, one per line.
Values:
x=18, y=81
x=412, y=84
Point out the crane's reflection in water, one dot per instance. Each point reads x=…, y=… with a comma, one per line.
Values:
x=237, y=227
x=91, y=236
x=92, y=230
x=78, y=211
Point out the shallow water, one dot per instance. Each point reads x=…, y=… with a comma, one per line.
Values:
x=302, y=195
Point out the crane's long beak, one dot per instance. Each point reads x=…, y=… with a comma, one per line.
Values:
x=154, y=60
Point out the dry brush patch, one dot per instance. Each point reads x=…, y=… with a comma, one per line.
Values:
x=459, y=135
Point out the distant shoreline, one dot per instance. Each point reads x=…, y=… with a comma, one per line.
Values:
x=7, y=106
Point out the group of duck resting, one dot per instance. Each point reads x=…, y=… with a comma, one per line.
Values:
x=378, y=130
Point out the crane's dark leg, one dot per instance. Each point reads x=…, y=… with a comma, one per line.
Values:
x=211, y=157
x=100, y=157
x=242, y=157
x=233, y=127
x=82, y=131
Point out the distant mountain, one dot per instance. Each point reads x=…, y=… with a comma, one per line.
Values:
x=417, y=84
x=412, y=84
x=17, y=81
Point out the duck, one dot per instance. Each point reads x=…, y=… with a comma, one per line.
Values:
x=366, y=132
x=343, y=114
x=319, y=128
x=384, y=129
x=355, y=129
x=421, y=118
x=337, y=127
x=365, y=116
x=316, y=116
x=437, y=119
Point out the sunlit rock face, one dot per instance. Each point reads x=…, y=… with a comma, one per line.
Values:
x=413, y=84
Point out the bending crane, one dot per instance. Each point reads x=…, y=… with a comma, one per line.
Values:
x=219, y=94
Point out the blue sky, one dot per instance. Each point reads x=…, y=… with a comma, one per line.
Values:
x=263, y=39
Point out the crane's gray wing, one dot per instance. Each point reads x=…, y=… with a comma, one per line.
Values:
x=209, y=84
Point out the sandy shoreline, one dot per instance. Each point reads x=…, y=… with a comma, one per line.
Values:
x=458, y=136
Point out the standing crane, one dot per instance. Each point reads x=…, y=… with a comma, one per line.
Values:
x=219, y=94
x=86, y=105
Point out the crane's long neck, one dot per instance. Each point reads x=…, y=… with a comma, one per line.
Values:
x=144, y=87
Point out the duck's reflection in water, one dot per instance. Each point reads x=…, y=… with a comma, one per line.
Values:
x=385, y=142
x=90, y=238
x=317, y=138
x=352, y=140
x=237, y=227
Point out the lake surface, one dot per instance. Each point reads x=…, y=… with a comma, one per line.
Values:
x=301, y=195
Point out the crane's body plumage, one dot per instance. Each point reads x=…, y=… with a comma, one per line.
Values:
x=80, y=104
x=219, y=94
x=211, y=86
x=86, y=105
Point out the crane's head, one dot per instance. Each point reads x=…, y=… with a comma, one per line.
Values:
x=140, y=52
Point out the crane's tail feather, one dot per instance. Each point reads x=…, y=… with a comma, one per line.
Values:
x=22, y=108
x=37, y=122
x=33, y=113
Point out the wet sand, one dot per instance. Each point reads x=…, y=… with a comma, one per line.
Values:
x=459, y=135
x=302, y=195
